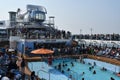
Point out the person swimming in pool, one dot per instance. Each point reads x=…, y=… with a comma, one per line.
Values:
x=94, y=63
x=72, y=63
x=104, y=69
x=83, y=79
x=111, y=78
x=82, y=73
x=94, y=72
x=68, y=69
x=62, y=71
x=90, y=68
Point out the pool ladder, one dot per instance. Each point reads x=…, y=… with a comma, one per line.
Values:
x=44, y=72
x=49, y=74
x=73, y=75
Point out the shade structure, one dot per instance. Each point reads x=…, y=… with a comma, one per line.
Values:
x=42, y=51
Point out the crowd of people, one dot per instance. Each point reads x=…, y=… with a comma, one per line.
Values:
x=41, y=33
x=115, y=37
x=110, y=52
x=12, y=67
x=9, y=69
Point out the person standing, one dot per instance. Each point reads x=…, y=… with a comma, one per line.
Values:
x=33, y=76
x=23, y=68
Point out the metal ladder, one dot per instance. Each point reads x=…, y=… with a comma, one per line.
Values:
x=44, y=72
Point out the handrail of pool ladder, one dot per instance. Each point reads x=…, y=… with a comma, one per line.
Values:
x=75, y=73
x=31, y=66
x=43, y=71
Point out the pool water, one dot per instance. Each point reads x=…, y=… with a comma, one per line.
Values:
x=43, y=70
x=77, y=69
x=73, y=70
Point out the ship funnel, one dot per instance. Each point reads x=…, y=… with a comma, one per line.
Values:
x=12, y=18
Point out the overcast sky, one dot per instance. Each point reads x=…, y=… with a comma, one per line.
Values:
x=103, y=16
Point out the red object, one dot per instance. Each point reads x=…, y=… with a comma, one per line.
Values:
x=50, y=60
x=118, y=74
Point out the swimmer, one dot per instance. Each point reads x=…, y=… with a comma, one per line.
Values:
x=112, y=78
x=62, y=71
x=55, y=67
x=89, y=68
x=83, y=62
x=89, y=63
x=94, y=64
x=82, y=78
x=72, y=64
x=68, y=69
x=83, y=73
x=94, y=72
x=92, y=67
x=65, y=64
x=104, y=69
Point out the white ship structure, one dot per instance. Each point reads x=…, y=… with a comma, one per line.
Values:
x=30, y=28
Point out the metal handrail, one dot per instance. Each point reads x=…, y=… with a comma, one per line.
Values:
x=75, y=73
x=31, y=66
x=43, y=71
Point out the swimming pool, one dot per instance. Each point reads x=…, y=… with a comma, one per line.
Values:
x=43, y=70
x=74, y=69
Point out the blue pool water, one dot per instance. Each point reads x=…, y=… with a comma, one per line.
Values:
x=42, y=69
x=78, y=68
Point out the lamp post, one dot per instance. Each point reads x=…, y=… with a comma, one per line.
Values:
x=80, y=33
x=91, y=29
x=91, y=41
x=91, y=35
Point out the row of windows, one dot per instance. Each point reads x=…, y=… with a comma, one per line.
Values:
x=39, y=16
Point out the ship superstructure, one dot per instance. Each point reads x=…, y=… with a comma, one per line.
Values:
x=24, y=29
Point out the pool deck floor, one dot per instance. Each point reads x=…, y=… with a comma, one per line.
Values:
x=104, y=59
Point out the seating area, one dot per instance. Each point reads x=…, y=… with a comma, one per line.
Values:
x=8, y=66
x=113, y=37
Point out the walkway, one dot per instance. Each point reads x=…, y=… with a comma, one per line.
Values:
x=104, y=59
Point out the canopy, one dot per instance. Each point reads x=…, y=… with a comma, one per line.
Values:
x=42, y=51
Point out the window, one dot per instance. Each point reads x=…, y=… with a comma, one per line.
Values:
x=3, y=33
x=39, y=16
x=1, y=23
